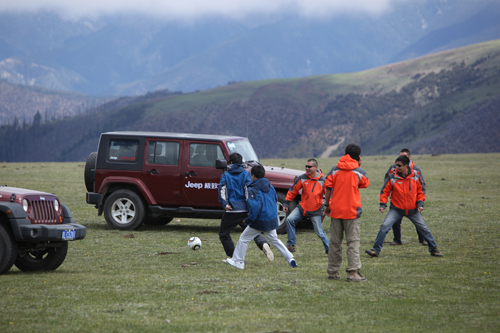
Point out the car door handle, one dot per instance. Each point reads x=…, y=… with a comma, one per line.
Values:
x=191, y=173
x=153, y=172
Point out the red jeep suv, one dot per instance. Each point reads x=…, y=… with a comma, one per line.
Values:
x=35, y=228
x=152, y=177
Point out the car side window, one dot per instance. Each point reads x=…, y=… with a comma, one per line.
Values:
x=163, y=152
x=122, y=151
x=204, y=154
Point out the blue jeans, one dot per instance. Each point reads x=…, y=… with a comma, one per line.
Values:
x=392, y=217
x=396, y=229
x=294, y=217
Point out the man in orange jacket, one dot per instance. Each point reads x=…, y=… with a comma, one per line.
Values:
x=407, y=199
x=310, y=184
x=396, y=228
x=343, y=204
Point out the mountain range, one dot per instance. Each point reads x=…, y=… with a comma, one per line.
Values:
x=442, y=103
x=130, y=55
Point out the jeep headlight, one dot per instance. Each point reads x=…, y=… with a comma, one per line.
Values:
x=25, y=205
x=56, y=205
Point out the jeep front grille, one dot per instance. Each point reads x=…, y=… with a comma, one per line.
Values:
x=43, y=211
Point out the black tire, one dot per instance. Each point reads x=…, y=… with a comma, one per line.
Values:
x=281, y=230
x=8, y=250
x=88, y=174
x=124, y=210
x=47, y=259
x=158, y=221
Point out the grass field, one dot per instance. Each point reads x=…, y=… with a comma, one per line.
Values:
x=152, y=282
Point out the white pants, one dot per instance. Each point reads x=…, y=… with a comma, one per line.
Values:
x=249, y=234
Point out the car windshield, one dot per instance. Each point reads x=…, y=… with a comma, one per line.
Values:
x=244, y=148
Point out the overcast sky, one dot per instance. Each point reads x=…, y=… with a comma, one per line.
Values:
x=197, y=8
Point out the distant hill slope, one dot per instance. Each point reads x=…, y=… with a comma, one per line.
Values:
x=23, y=103
x=441, y=103
x=480, y=27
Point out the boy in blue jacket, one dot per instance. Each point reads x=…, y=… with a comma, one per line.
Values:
x=262, y=217
x=232, y=196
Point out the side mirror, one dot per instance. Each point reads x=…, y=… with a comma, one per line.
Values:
x=221, y=164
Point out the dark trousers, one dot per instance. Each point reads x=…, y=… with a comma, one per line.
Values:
x=230, y=221
x=396, y=229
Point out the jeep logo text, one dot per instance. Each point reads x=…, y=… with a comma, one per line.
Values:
x=199, y=186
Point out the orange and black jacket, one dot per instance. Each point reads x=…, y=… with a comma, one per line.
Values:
x=345, y=179
x=412, y=166
x=405, y=192
x=312, y=191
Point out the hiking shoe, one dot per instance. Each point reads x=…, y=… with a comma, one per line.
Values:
x=372, y=253
x=436, y=253
x=354, y=276
x=334, y=276
x=424, y=243
x=396, y=243
x=293, y=263
x=291, y=248
x=239, y=265
x=267, y=252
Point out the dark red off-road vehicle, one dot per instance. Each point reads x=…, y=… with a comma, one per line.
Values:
x=150, y=177
x=34, y=230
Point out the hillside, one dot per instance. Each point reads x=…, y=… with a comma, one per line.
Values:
x=23, y=103
x=437, y=104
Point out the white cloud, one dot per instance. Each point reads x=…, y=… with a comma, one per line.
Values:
x=196, y=8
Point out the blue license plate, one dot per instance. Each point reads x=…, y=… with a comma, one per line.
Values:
x=68, y=234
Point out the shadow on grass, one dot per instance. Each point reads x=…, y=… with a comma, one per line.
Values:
x=188, y=227
x=167, y=228
x=196, y=225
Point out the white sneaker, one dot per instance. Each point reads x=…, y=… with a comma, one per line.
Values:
x=239, y=265
x=267, y=252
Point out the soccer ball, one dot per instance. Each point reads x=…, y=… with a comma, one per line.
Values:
x=194, y=243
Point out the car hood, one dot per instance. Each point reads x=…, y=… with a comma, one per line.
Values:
x=7, y=191
x=281, y=178
x=282, y=171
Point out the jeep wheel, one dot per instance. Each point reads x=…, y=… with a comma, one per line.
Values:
x=88, y=175
x=158, y=221
x=8, y=250
x=124, y=210
x=47, y=259
x=281, y=230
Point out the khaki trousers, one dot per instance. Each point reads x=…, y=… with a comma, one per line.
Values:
x=351, y=228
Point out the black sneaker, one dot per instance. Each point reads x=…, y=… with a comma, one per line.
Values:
x=372, y=253
x=436, y=253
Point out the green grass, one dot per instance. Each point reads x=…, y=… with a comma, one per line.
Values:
x=111, y=282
